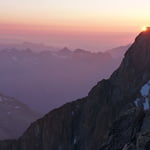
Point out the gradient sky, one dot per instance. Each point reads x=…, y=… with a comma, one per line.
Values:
x=77, y=21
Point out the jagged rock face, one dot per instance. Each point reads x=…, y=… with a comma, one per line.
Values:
x=107, y=119
x=135, y=68
x=124, y=129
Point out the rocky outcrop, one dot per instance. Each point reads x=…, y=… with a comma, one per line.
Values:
x=107, y=119
x=130, y=132
x=124, y=130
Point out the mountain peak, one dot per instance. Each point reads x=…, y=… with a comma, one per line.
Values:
x=139, y=52
x=144, y=36
x=65, y=51
x=144, y=29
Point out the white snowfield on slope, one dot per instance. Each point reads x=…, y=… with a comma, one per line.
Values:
x=144, y=100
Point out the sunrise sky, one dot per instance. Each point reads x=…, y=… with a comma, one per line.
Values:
x=90, y=24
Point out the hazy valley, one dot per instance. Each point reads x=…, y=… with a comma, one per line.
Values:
x=46, y=77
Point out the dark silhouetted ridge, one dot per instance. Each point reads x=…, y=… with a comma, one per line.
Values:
x=114, y=115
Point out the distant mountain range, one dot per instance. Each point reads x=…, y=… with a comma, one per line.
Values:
x=44, y=77
x=15, y=117
x=37, y=47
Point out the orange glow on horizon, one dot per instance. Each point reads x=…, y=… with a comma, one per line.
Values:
x=72, y=16
x=65, y=27
x=144, y=29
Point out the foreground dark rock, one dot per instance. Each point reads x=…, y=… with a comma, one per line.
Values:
x=114, y=115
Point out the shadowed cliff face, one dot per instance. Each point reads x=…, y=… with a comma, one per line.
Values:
x=92, y=122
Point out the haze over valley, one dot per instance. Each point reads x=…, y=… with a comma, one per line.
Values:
x=46, y=77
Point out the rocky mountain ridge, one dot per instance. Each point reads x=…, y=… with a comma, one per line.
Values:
x=111, y=117
x=15, y=117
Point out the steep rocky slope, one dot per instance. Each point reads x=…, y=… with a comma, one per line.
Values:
x=15, y=117
x=114, y=115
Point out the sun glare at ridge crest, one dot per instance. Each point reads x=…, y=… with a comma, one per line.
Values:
x=144, y=29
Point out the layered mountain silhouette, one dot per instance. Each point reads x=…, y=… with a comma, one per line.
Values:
x=38, y=76
x=15, y=117
x=114, y=116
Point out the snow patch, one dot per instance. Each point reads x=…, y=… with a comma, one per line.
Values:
x=145, y=89
x=72, y=113
x=9, y=113
x=75, y=140
x=17, y=107
x=144, y=101
x=146, y=104
x=136, y=102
